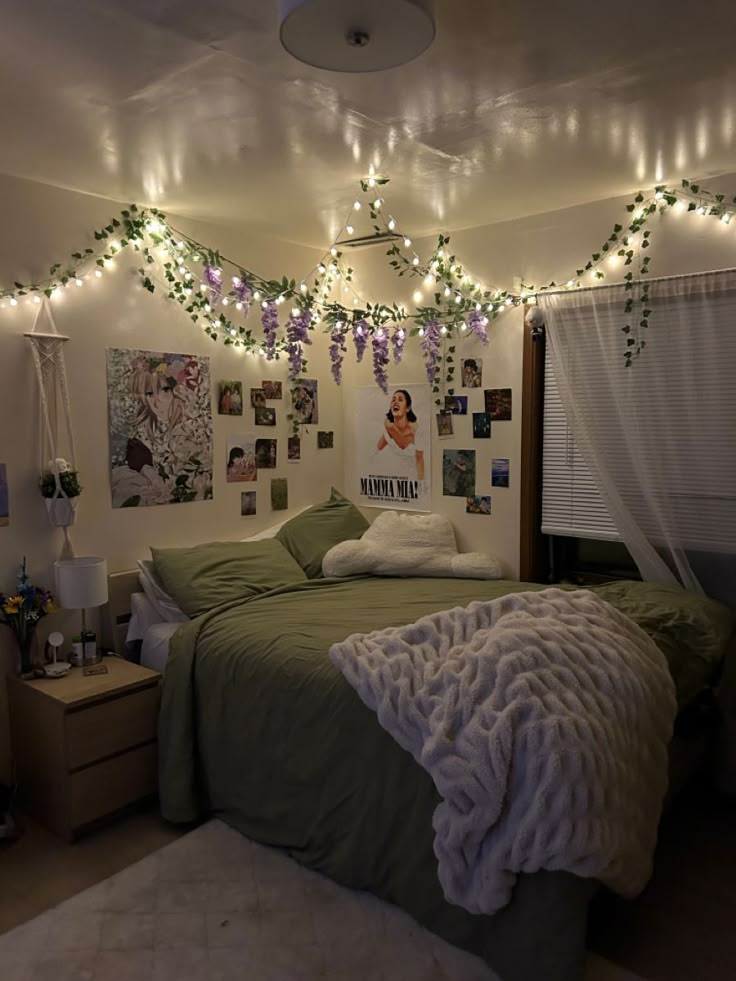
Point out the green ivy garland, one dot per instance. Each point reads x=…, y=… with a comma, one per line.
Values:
x=184, y=268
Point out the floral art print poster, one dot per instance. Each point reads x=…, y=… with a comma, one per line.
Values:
x=392, y=436
x=160, y=419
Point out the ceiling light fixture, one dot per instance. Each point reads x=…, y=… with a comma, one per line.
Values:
x=357, y=35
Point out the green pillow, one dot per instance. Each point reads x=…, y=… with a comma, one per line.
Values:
x=312, y=533
x=205, y=576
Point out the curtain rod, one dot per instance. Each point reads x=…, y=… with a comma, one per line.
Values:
x=635, y=282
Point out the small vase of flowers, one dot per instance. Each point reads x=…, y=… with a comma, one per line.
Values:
x=21, y=611
x=60, y=487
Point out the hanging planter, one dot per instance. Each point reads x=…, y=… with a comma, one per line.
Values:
x=62, y=511
x=60, y=488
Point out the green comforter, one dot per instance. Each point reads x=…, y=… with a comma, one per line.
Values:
x=259, y=728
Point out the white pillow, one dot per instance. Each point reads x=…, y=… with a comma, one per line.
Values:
x=163, y=604
x=409, y=545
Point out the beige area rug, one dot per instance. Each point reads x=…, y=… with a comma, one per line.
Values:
x=214, y=906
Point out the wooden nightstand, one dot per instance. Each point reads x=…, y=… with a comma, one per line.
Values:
x=84, y=747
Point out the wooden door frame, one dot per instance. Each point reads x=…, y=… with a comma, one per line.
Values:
x=533, y=561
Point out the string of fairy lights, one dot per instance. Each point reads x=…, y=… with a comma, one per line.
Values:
x=449, y=302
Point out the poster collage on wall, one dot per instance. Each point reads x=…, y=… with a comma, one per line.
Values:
x=161, y=431
x=393, y=445
x=459, y=471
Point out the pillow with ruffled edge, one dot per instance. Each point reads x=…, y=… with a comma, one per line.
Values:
x=409, y=545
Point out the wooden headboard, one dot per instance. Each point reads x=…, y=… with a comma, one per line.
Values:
x=115, y=614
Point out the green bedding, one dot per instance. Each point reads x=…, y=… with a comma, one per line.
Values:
x=258, y=727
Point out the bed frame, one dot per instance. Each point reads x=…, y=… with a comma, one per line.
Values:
x=115, y=615
x=689, y=755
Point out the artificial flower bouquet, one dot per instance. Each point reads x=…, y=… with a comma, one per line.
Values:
x=21, y=611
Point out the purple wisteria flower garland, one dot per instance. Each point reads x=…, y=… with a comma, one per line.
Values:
x=337, y=350
x=430, y=345
x=297, y=334
x=398, y=340
x=379, y=342
x=243, y=292
x=213, y=278
x=361, y=332
x=270, y=323
x=478, y=325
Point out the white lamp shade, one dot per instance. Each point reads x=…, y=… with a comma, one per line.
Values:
x=81, y=584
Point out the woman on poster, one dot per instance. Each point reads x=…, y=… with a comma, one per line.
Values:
x=403, y=439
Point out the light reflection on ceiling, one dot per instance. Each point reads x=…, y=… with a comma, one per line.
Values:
x=516, y=109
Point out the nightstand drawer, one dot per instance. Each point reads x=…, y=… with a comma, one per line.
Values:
x=108, y=786
x=102, y=729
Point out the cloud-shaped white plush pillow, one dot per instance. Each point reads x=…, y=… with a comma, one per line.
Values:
x=409, y=545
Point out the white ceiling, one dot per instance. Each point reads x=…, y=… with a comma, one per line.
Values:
x=517, y=108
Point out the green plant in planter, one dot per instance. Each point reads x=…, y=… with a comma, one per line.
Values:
x=69, y=483
x=61, y=506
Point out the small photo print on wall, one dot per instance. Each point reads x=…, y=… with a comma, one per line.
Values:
x=498, y=403
x=247, y=504
x=241, y=459
x=458, y=473
x=478, y=505
x=4, y=497
x=272, y=390
x=230, y=398
x=482, y=425
x=472, y=372
x=257, y=398
x=325, y=440
x=304, y=402
x=499, y=473
x=279, y=494
x=264, y=416
x=266, y=454
x=444, y=424
x=456, y=404
x=293, y=449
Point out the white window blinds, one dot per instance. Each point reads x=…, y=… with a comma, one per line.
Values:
x=571, y=503
x=663, y=430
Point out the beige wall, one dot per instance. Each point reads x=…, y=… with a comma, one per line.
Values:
x=41, y=225
x=540, y=249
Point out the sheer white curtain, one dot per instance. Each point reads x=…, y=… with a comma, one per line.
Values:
x=659, y=437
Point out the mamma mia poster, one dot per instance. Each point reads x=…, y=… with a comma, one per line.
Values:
x=392, y=447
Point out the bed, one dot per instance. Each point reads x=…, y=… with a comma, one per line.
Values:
x=259, y=728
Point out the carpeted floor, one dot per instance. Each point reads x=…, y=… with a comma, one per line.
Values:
x=213, y=906
x=681, y=928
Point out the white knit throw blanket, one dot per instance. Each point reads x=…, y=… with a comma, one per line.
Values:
x=543, y=719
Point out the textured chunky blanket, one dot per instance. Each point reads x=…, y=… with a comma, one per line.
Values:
x=543, y=719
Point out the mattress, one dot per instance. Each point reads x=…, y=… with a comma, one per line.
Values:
x=143, y=615
x=147, y=629
x=155, y=647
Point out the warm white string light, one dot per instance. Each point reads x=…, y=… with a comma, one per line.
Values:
x=467, y=289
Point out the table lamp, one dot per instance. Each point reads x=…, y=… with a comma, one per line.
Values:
x=81, y=584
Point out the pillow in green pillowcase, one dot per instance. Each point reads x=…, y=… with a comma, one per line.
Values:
x=204, y=576
x=312, y=533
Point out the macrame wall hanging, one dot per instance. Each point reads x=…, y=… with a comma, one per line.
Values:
x=59, y=482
